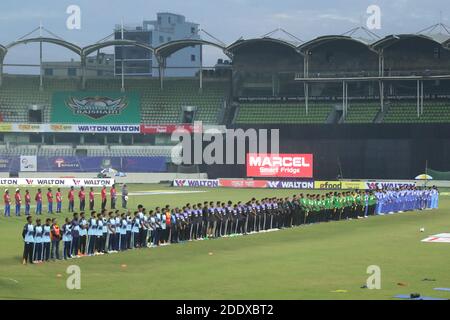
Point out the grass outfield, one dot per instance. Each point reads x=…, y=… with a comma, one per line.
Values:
x=302, y=263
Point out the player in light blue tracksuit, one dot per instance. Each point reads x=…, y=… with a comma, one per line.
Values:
x=111, y=233
x=435, y=198
x=67, y=239
x=28, y=238
x=38, y=242
x=92, y=234
x=123, y=233
x=135, y=230
x=46, y=239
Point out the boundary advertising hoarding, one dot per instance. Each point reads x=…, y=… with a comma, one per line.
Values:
x=374, y=185
x=280, y=165
x=61, y=182
x=169, y=128
x=70, y=128
x=196, y=183
x=292, y=184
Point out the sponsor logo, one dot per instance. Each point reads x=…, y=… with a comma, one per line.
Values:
x=353, y=185
x=97, y=107
x=60, y=163
x=243, y=183
x=384, y=185
x=109, y=128
x=280, y=165
x=60, y=128
x=192, y=183
x=290, y=184
x=8, y=182
x=29, y=127
x=328, y=185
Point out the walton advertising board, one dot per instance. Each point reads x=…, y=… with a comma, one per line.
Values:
x=71, y=128
x=62, y=182
x=196, y=183
x=280, y=165
x=96, y=107
x=385, y=185
x=290, y=184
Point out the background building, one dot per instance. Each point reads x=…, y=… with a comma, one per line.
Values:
x=101, y=65
x=167, y=27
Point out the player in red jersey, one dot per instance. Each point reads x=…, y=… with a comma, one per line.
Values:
x=50, y=201
x=71, y=198
x=82, y=197
x=58, y=201
x=91, y=199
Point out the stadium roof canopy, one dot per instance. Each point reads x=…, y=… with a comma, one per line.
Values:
x=171, y=47
x=97, y=46
x=395, y=38
x=325, y=39
x=239, y=44
x=59, y=42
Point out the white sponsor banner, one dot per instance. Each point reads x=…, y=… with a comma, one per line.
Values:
x=196, y=183
x=441, y=238
x=63, y=182
x=385, y=185
x=28, y=163
x=71, y=128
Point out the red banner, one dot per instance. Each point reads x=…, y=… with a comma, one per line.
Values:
x=234, y=183
x=168, y=128
x=280, y=165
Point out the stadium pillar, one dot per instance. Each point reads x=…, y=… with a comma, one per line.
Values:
x=161, y=72
x=41, y=74
x=306, y=64
x=344, y=98
x=418, y=98
x=1, y=70
x=381, y=63
x=201, y=68
x=306, y=75
x=381, y=84
x=421, y=97
x=306, y=89
x=83, y=72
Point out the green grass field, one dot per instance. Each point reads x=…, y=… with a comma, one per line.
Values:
x=308, y=262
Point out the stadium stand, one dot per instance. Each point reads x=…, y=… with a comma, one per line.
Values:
x=157, y=106
x=362, y=112
x=164, y=107
x=283, y=113
x=437, y=111
x=92, y=151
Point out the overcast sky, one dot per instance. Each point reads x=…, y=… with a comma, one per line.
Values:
x=228, y=20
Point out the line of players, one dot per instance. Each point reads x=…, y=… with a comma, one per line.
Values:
x=110, y=232
x=57, y=197
x=406, y=199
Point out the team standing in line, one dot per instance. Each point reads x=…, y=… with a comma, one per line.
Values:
x=113, y=231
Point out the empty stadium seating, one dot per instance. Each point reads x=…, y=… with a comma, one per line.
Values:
x=362, y=112
x=92, y=151
x=158, y=106
x=282, y=113
x=165, y=107
x=437, y=111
